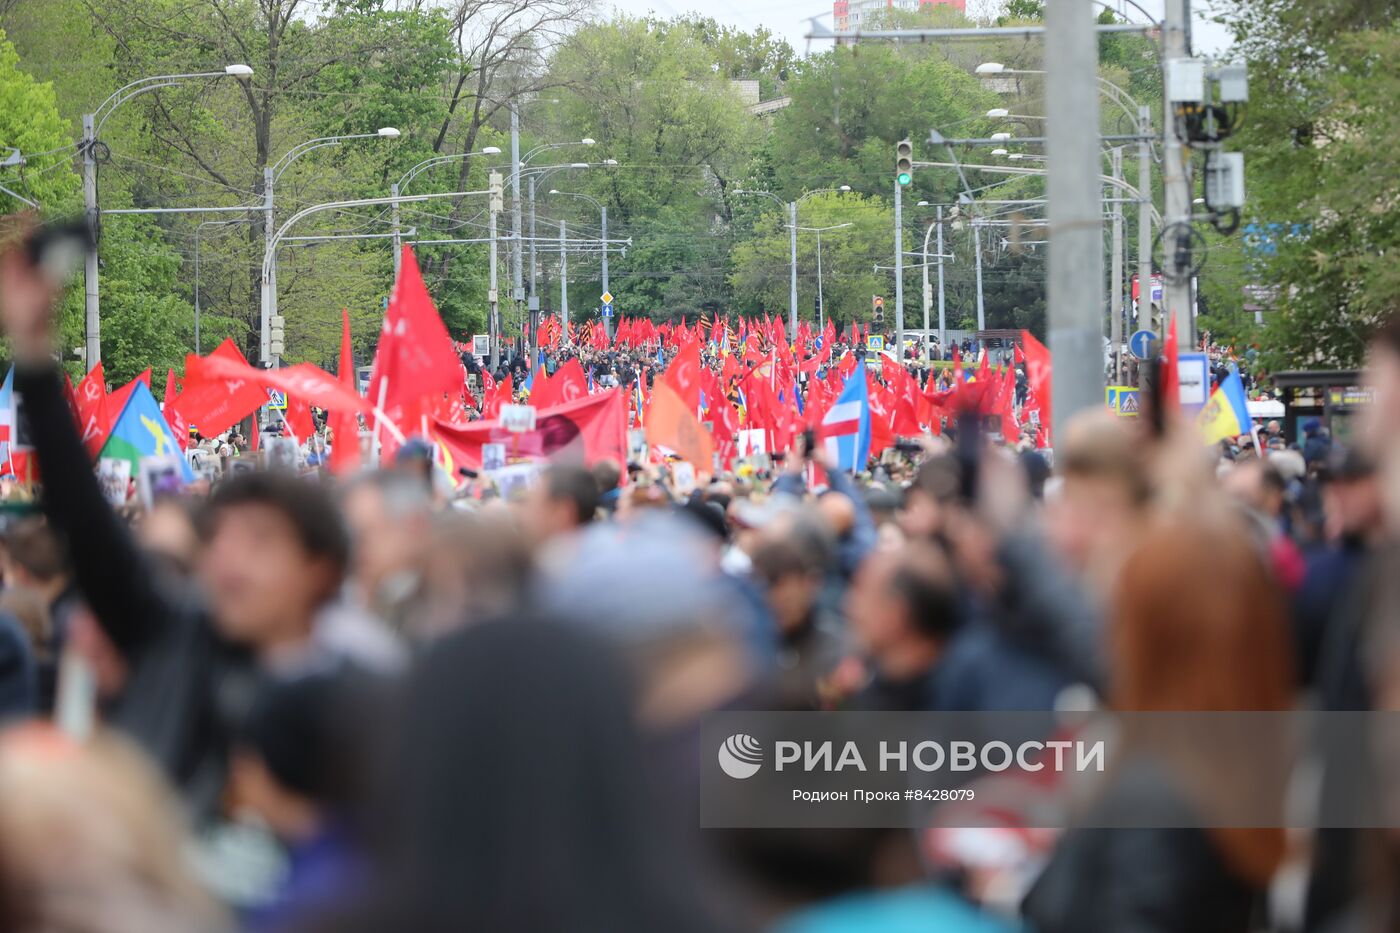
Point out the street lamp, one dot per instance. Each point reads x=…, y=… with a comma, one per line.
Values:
x=268, y=354
x=821, y=303
x=92, y=127
x=398, y=188
x=603, y=212
x=792, y=243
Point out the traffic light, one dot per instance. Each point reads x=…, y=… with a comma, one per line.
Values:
x=904, y=161
x=277, y=335
x=878, y=307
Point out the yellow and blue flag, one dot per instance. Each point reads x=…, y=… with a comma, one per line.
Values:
x=1227, y=412
x=141, y=431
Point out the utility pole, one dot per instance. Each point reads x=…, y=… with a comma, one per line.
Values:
x=1176, y=178
x=898, y=270
x=1075, y=212
x=395, y=226
x=1144, y=306
x=942, y=319
x=92, y=318
x=534, y=270
x=607, y=321
x=1115, y=278
x=977, y=254
x=493, y=324
x=563, y=277
x=269, y=283
x=517, y=276
x=821, y=308
x=792, y=286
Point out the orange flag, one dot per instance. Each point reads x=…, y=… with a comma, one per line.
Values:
x=672, y=424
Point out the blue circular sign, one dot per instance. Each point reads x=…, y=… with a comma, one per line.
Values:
x=1141, y=342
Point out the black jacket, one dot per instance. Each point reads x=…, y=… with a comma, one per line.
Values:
x=186, y=684
x=1135, y=880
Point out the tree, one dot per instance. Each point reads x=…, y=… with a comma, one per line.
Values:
x=1323, y=173
x=761, y=264
x=30, y=123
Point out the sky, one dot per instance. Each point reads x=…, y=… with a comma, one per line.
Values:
x=788, y=18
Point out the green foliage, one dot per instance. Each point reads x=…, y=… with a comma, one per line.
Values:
x=1324, y=174
x=30, y=122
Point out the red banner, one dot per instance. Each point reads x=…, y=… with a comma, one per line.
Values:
x=585, y=431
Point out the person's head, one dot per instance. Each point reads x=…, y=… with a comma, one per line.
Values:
x=170, y=531
x=276, y=551
x=478, y=567
x=520, y=797
x=1218, y=643
x=299, y=753
x=1259, y=485
x=1351, y=498
x=926, y=501
x=91, y=835
x=792, y=559
x=1104, y=493
x=388, y=514
x=35, y=558
x=563, y=499
x=902, y=608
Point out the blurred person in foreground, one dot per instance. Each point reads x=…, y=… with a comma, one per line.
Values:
x=1175, y=648
x=521, y=799
x=1358, y=668
x=389, y=514
x=91, y=838
x=907, y=619
x=300, y=764
x=275, y=556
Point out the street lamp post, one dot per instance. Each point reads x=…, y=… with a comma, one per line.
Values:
x=603, y=221
x=400, y=186
x=92, y=128
x=270, y=249
x=792, y=241
x=821, y=301
x=271, y=173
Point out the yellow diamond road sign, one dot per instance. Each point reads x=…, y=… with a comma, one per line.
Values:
x=607, y=298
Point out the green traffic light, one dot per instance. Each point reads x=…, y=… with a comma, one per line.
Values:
x=904, y=178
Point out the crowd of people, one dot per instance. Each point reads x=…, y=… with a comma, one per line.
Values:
x=296, y=703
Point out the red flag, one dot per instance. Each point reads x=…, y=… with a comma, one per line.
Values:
x=214, y=403
x=1171, y=372
x=91, y=396
x=172, y=414
x=345, y=426
x=311, y=383
x=1010, y=430
x=683, y=376
x=253, y=437
x=504, y=394
x=881, y=415
x=585, y=431
x=905, y=392
x=298, y=417
x=1038, y=375
x=415, y=357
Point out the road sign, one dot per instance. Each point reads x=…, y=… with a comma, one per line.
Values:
x=1140, y=343
x=606, y=298
x=1193, y=381
x=875, y=342
x=607, y=310
x=276, y=398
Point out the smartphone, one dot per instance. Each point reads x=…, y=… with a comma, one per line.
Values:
x=809, y=443
x=968, y=450
x=57, y=249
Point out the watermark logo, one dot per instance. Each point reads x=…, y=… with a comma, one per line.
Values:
x=740, y=756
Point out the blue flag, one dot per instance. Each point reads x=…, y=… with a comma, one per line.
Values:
x=141, y=431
